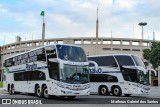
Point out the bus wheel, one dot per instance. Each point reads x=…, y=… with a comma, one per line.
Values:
x=8, y=89
x=11, y=91
x=127, y=95
x=116, y=91
x=45, y=92
x=103, y=90
x=71, y=97
x=38, y=91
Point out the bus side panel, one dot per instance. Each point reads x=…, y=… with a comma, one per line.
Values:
x=94, y=87
x=21, y=86
x=9, y=79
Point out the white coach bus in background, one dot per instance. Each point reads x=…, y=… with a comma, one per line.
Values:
x=60, y=70
x=118, y=74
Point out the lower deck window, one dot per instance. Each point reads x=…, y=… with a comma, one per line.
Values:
x=29, y=76
x=102, y=78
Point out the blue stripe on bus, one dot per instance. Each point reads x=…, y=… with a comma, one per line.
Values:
x=42, y=67
x=17, y=71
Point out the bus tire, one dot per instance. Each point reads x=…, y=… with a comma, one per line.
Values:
x=103, y=90
x=8, y=89
x=45, y=92
x=71, y=97
x=116, y=91
x=12, y=90
x=16, y=92
x=38, y=91
x=127, y=95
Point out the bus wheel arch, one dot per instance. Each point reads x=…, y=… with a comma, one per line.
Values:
x=103, y=90
x=43, y=85
x=116, y=90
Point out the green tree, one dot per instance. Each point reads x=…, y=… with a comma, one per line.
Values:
x=146, y=54
x=153, y=54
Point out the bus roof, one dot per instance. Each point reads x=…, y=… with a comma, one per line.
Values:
x=111, y=55
x=40, y=48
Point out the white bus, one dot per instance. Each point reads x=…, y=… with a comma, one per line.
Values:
x=118, y=74
x=60, y=70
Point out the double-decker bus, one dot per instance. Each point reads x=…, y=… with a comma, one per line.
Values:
x=60, y=70
x=118, y=74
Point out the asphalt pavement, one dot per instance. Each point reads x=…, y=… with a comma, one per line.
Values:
x=84, y=101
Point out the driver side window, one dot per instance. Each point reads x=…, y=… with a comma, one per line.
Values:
x=51, y=52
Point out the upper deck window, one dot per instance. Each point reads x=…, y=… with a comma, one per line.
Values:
x=124, y=60
x=104, y=61
x=71, y=53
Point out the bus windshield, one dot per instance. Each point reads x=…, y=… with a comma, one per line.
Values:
x=71, y=53
x=134, y=75
x=143, y=78
x=75, y=74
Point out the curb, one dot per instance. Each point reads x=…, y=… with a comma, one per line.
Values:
x=2, y=91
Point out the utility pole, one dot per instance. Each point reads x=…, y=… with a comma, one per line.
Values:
x=133, y=31
x=153, y=36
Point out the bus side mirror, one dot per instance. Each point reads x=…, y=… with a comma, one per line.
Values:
x=155, y=72
x=93, y=64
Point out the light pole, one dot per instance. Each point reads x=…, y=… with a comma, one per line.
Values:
x=43, y=28
x=142, y=24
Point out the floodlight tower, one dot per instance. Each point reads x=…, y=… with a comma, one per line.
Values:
x=142, y=24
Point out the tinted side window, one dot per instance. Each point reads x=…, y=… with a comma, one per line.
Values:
x=18, y=77
x=102, y=78
x=36, y=75
x=42, y=56
x=53, y=68
x=51, y=52
x=104, y=61
x=29, y=76
x=9, y=62
x=124, y=60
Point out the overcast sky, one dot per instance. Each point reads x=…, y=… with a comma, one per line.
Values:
x=77, y=18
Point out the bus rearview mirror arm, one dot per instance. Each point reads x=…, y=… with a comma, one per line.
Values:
x=94, y=63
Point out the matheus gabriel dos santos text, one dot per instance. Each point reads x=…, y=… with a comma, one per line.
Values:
x=135, y=101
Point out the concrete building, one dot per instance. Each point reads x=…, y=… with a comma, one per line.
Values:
x=105, y=46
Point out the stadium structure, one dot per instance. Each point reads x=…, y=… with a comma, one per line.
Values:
x=104, y=46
